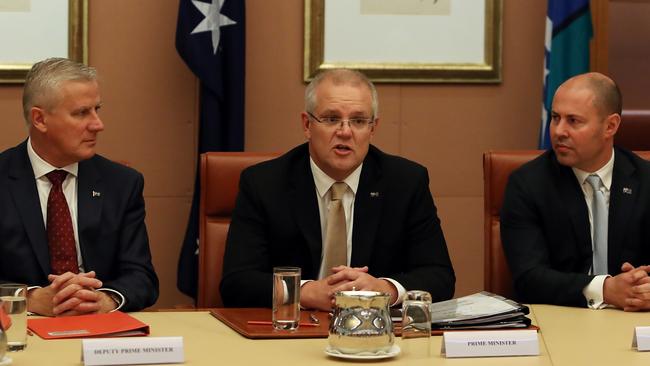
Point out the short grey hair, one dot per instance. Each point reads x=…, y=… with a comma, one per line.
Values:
x=339, y=77
x=44, y=78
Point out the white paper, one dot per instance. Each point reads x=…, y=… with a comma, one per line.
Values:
x=132, y=351
x=490, y=343
x=641, y=339
x=472, y=306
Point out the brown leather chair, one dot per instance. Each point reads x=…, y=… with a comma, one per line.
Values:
x=497, y=166
x=220, y=173
x=634, y=131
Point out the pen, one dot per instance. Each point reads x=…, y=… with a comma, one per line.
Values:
x=265, y=322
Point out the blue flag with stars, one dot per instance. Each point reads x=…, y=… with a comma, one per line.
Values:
x=566, y=51
x=210, y=38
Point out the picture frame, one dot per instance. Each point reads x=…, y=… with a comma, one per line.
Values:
x=33, y=32
x=462, y=46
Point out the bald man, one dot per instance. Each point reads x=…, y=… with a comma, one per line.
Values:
x=561, y=250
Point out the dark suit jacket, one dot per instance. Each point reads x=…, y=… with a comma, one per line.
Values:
x=112, y=233
x=546, y=233
x=276, y=222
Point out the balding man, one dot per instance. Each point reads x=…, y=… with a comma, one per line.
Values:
x=575, y=222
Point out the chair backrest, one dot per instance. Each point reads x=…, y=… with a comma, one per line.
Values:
x=634, y=131
x=220, y=173
x=497, y=166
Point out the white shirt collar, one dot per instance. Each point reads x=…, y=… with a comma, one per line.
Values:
x=605, y=173
x=324, y=182
x=42, y=167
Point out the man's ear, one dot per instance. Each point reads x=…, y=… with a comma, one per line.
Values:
x=374, y=125
x=37, y=119
x=612, y=122
x=305, y=124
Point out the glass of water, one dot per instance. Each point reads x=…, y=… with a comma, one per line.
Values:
x=13, y=299
x=286, y=298
x=416, y=324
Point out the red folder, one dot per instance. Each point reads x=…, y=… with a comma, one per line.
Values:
x=115, y=324
x=5, y=320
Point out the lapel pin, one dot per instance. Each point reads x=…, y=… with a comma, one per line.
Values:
x=374, y=194
x=96, y=194
x=627, y=190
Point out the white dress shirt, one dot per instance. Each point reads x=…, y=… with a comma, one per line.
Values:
x=593, y=292
x=69, y=186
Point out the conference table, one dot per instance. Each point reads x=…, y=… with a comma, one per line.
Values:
x=567, y=336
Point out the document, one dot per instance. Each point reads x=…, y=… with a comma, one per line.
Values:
x=115, y=324
x=483, y=310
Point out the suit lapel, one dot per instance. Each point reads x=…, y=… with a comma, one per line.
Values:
x=90, y=195
x=622, y=198
x=304, y=206
x=23, y=190
x=574, y=202
x=367, y=210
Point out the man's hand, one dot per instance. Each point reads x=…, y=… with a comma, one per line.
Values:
x=316, y=295
x=70, y=294
x=347, y=278
x=629, y=290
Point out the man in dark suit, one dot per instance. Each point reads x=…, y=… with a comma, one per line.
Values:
x=71, y=222
x=393, y=241
x=560, y=248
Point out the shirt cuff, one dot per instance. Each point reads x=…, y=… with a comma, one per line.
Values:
x=116, y=296
x=400, y=290
x=593, y=293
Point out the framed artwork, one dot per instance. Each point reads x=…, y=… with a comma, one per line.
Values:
x=32, y=30
x=417, y=41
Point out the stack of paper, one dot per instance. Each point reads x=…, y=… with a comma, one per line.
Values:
x=483, y=310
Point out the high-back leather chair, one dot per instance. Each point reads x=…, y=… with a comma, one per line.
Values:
x=634, y=131
x=220, y=173
x=497, y=166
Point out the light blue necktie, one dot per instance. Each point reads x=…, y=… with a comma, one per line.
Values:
x=599, y=216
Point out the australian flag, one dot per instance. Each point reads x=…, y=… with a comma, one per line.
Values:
x=210, y=38
x=568, y=32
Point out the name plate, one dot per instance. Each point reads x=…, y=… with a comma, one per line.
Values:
x=641, y=339
x=490, y=343
x=132, y=351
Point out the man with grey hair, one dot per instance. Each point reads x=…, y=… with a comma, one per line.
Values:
x=350, y=216
x=71, y=222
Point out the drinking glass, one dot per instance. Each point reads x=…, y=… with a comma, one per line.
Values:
x=13, y=297
x=416, y=324
x=286, y=298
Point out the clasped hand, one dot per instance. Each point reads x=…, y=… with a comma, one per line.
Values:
x=320, y=294
x=70, y=294
x=629, y=290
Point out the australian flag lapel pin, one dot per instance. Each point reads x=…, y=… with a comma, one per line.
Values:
x=374, y=194
x=627, y=190
x=96, y=194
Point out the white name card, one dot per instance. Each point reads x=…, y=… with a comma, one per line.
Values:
x=641, y=339
x=132, y=351
x=490, y=343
